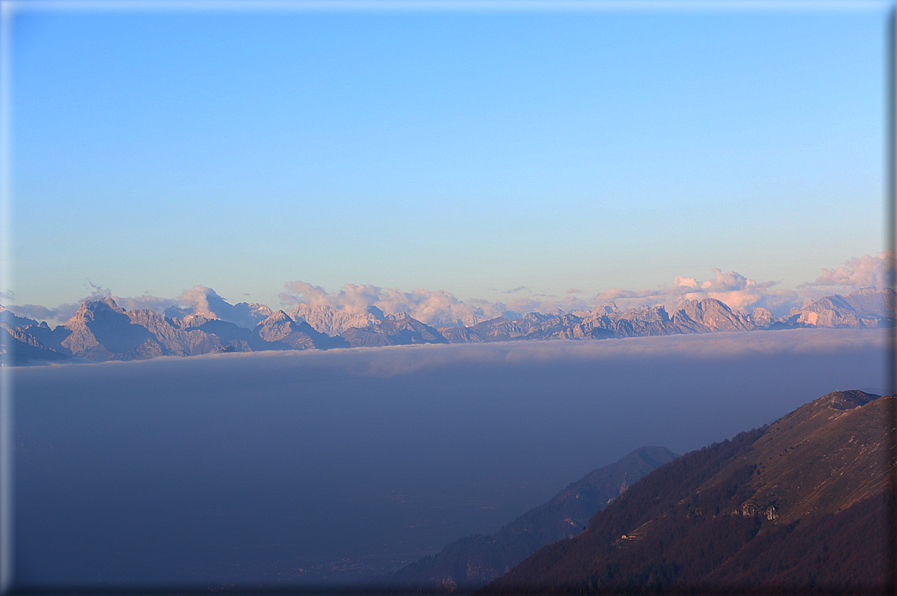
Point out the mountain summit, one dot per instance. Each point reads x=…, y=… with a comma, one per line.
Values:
x=282, y=332
x=101, y=330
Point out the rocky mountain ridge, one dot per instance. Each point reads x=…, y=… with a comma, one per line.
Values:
x=473, y=561
x=101, y=330
x=797, y=505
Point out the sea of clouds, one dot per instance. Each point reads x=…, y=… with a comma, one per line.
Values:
x=332, y=466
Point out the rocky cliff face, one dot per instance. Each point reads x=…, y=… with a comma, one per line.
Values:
x=762, y=318
x=710, y=315
x=279, y=331
x=867, y=307
x=869, y=302
x=693, y=317
x=279, y=327
x=18, y=347
x=101, y=330
x=171, y=338
x=405, y=331
x=864, y=308
x=335, y=322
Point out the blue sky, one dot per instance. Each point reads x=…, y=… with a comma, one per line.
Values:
x=472, y=152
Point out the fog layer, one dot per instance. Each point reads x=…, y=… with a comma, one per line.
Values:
x=306, y=467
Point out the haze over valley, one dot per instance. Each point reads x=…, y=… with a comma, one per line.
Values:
x=343, y=464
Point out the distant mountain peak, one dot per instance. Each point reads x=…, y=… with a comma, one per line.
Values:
x=11, y=320
x=369, y=326
x=279, y=320
x=93, y=307
x=376, y=312
x=278, y=317
x=98, y=303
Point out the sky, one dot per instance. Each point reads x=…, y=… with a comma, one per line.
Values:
x=548, y=157
x=521, y=156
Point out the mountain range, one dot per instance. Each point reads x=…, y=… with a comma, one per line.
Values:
x=473, y=561
x=800, y=504
x=101, y=330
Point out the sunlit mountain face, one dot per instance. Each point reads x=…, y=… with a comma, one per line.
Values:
x=101, y=330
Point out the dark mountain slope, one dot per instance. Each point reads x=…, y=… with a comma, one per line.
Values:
x=832, y=553
x=280, y=332
x=11, y=321
x=101, y=330
x=20, y=349
x=170, y=337
x=473, y=561
x=798, y=503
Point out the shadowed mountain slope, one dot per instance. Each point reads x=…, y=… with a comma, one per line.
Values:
x=389, y=332
x=279, y=331
x=799, y=503
x=22, y=348
x=473, y=561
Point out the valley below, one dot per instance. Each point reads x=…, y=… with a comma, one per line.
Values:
x=337, y=467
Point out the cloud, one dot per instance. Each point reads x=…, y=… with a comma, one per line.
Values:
x=742, y=293
x=202, y=299
x=441, y=308
x=515, y=290
x=53, y=316
x=7, y=295
x=566, y=304
x=97, y=292
x=866, y=271
x=436, y=308
x=205, y=301
x=62, y=313
x=147, y=302
x=739, y=292
x=732, y=288
x=696, y=348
